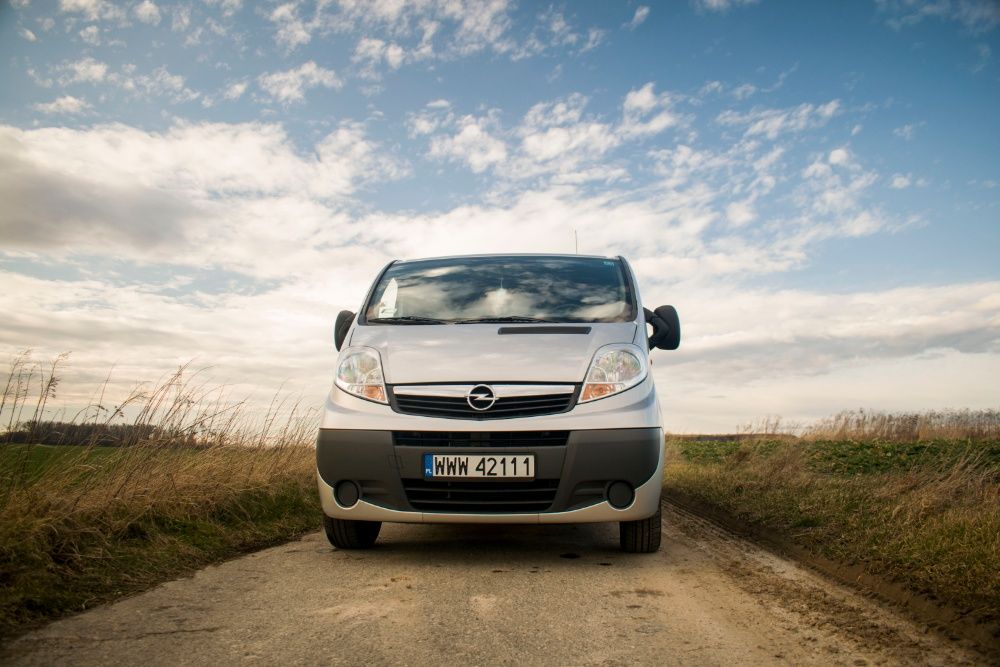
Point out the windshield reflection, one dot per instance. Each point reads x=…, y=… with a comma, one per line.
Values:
x=557, y=289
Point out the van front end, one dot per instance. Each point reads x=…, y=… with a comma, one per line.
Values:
x=525, y=418
x=371, y=463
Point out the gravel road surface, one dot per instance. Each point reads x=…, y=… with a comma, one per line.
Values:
x=497, y=595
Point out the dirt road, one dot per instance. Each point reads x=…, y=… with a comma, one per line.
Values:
x=496, y=595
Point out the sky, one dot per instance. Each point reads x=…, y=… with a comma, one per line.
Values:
x=814, y=186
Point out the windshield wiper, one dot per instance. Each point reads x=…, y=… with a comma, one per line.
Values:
x=406, y=319
x=507, y=318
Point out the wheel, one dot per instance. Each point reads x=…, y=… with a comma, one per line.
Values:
x=642, y=536
x=351, y=534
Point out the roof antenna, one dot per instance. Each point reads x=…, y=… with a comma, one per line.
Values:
x=576, y=242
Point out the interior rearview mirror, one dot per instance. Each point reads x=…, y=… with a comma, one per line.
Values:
x=343, y=324
x=666, y=327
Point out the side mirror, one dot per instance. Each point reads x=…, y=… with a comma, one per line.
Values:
x=344, y=320
x=666, y=327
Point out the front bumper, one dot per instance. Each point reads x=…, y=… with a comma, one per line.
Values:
x=580, y=471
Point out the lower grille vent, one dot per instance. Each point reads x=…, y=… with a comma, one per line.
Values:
x=442, y=439
x=481, y=497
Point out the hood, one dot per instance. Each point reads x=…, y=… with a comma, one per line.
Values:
x=472, y=353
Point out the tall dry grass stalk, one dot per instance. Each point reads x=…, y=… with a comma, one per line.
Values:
x=907, y=426
x=176, y=452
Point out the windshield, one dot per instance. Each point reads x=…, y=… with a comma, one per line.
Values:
x=502, y=289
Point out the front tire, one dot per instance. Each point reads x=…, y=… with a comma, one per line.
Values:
x=642, y=536
x=345, y=534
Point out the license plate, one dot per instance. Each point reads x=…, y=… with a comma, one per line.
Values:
x=473, y=466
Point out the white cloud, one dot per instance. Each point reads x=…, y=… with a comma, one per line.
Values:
x=370, y=53
x=594, y=37
x=87, y=70
x=888, y=365
x=426, y=29
x=435, y=114
x=550, y=114
x=136, y=194
x=722, y=5
x=740, y=213
x=976, y=16
x=818, y=328
x=27, y=34
x=180, y=19
x=161, y=83
x=573, y=142
x=38, y=79
x=744, y=91
x=88, y=318
x=710, y=87
x=147, y=12
x=482, y=24
x=900, y=181
x=291, y=85
x=641, y=14
x=66, y=104
x=773, y=122
x=552, y=30
x=91, y=35
x=292, y=30
x=833, y=200
x=908, y=131
x=840, y=156
x=472, y=144
x=234, y=91
x=556, y=139
x=227, y=7
x=646, y=113
x=560, y=32
x=93, y=10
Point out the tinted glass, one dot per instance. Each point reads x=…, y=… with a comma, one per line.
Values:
x=557, y=289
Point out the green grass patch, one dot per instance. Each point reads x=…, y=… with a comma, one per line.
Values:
x=80, y=526
x=924, y=514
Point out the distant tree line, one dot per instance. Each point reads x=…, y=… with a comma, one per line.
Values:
x=99, y=435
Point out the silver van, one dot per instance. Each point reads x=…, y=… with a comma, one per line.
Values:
x=496, y=389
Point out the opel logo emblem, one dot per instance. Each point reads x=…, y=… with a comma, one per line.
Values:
x=481, y=397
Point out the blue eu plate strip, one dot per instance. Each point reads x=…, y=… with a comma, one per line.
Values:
x=428, y=465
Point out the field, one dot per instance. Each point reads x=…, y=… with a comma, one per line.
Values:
x=923, y=512
x=176, y=476
x=170, y=479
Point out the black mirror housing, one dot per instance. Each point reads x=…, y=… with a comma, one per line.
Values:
x=666, y=327
x=345, y=319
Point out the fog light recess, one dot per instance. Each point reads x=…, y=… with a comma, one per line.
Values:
x=347, y=493
x=620, y=494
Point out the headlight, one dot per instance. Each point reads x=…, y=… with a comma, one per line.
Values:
x=614, y=369
x=360, y=373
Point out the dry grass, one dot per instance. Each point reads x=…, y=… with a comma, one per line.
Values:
x=907, y=427
x=923, y=513
x=194, y=477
